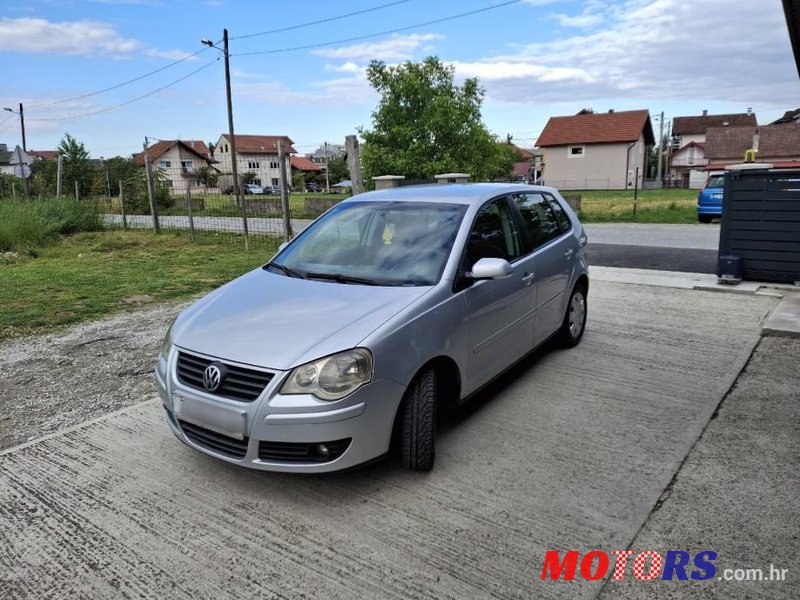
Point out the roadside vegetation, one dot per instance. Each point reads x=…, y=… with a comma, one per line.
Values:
x=653, y=206
x=26, y=226
x=91, y=274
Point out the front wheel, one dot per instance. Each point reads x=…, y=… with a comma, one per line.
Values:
x=418, y=423
x=574, y=322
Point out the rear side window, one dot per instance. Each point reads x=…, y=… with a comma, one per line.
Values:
x=716, y=181
x=540, y=221
x=559, y=212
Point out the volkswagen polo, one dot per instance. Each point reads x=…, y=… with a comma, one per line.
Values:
x=354, y=334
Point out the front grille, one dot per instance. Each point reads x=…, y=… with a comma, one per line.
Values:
x=239, y=383
x=301, y=451
x=214, y=441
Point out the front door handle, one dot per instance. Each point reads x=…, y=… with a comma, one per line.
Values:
x=568, y=254
x=527, y=279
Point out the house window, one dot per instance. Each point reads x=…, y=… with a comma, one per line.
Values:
x=257, y=180
x=252, y=165
x=165, y=164
x=275, y=182
x=273, y=164
x=576, y=151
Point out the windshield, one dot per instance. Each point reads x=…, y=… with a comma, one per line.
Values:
x=375, y=243
x=716, y=181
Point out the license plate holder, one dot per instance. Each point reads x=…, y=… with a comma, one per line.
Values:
x=220, y=419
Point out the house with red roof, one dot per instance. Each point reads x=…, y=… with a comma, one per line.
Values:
x=596, y=150
x=688, y=161
x=179, y=163
x=257, y=154
x=777, y=144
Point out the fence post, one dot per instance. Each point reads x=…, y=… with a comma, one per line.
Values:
x=189, y=202
x=122, y=206
x=60, y=176
x=635, y=189
x=354, y=162
x=287, y=223
x=77, y=194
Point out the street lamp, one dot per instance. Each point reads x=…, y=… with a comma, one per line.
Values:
x=234, y=167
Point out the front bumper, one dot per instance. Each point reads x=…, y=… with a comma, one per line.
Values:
x=357, y=428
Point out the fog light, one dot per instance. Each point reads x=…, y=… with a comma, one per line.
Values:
x=319, y=451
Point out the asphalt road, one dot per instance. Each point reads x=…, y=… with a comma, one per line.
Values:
x=571, y=450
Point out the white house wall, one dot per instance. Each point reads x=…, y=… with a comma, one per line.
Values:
x=603, y=166
x=266, y=174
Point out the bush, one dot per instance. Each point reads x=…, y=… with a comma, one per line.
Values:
x=27, y=225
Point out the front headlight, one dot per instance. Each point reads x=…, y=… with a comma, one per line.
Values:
x=332, y=377
x=163, y=353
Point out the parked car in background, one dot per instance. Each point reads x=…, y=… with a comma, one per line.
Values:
x=252, y=188
x=709, y=200
x=390, y=306
x=312, y=187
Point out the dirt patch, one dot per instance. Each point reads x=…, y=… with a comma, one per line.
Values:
x=59, y=380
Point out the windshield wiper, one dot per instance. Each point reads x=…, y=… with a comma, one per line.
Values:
x=285, y=270
x=342, y=278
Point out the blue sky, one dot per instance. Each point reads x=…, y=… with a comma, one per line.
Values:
x=535, y=58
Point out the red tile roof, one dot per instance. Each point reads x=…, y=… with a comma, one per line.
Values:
x=261, y=144
x=523, y=153
x=521, y=168
x=301, y=163
x=699, y=124
x=195, y=146
x=44, y=154
x=775, y=141
x=597, y=128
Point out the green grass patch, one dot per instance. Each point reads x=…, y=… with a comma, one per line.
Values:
x=89, y=275
x=652, y=206
x=27, y=225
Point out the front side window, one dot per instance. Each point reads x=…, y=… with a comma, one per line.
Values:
x=377, y=243
x=494, y=234
x=541, y=223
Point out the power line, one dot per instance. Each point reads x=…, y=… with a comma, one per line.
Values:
x=119, y=85
x=388, y=31
x=320, y=21
x=115, y=107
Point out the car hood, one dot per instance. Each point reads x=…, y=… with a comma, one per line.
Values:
x=278, y=322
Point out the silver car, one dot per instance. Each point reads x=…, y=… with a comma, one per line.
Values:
x=390, y=305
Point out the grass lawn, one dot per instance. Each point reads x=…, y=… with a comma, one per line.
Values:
x=91, y=274
x=653, y=206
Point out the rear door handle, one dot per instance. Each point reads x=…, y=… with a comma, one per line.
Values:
x=568, y=254
x=527, y=279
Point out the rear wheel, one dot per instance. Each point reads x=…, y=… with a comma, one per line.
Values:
x=418, y=423
x=574, y=323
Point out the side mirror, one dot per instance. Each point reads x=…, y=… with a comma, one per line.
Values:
x=491, y=268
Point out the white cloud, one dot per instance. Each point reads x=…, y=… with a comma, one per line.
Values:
x=583, y=20
x=396, y=48
x=655, y=49
x=87, y=38
x=354, y=89
x=348, y=67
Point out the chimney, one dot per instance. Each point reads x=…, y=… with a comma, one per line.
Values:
x=705, y=112
x=749, y=110
x=610, y=110
x=755, y=141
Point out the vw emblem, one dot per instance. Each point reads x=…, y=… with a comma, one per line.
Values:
x=212, y=377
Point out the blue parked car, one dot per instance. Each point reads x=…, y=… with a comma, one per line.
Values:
x=709, y=200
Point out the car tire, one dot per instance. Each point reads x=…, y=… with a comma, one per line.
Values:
x=574, y=323
x=418, y=423
x=705, y=218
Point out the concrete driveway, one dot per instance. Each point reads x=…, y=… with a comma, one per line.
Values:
x=569, y=451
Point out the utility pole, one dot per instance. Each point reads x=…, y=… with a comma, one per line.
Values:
x=327, y=173
x=354, y=162
x=21, y=114
x=22, y=123
x=660, y=150
x=669, y=147
x=151, y=192
x=234, y=167
x=60, y=175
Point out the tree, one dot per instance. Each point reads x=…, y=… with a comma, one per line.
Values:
x=425, y=124
x=208, y=176
x=77, y=166
x=337, y=169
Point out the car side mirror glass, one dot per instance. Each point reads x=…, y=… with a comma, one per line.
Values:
x=491, y=268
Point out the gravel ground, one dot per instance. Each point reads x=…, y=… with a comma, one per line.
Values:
x=94, y=368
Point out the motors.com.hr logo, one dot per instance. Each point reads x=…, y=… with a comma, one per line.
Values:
x=648, y=565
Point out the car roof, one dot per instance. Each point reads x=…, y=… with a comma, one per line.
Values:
x=450, y=193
